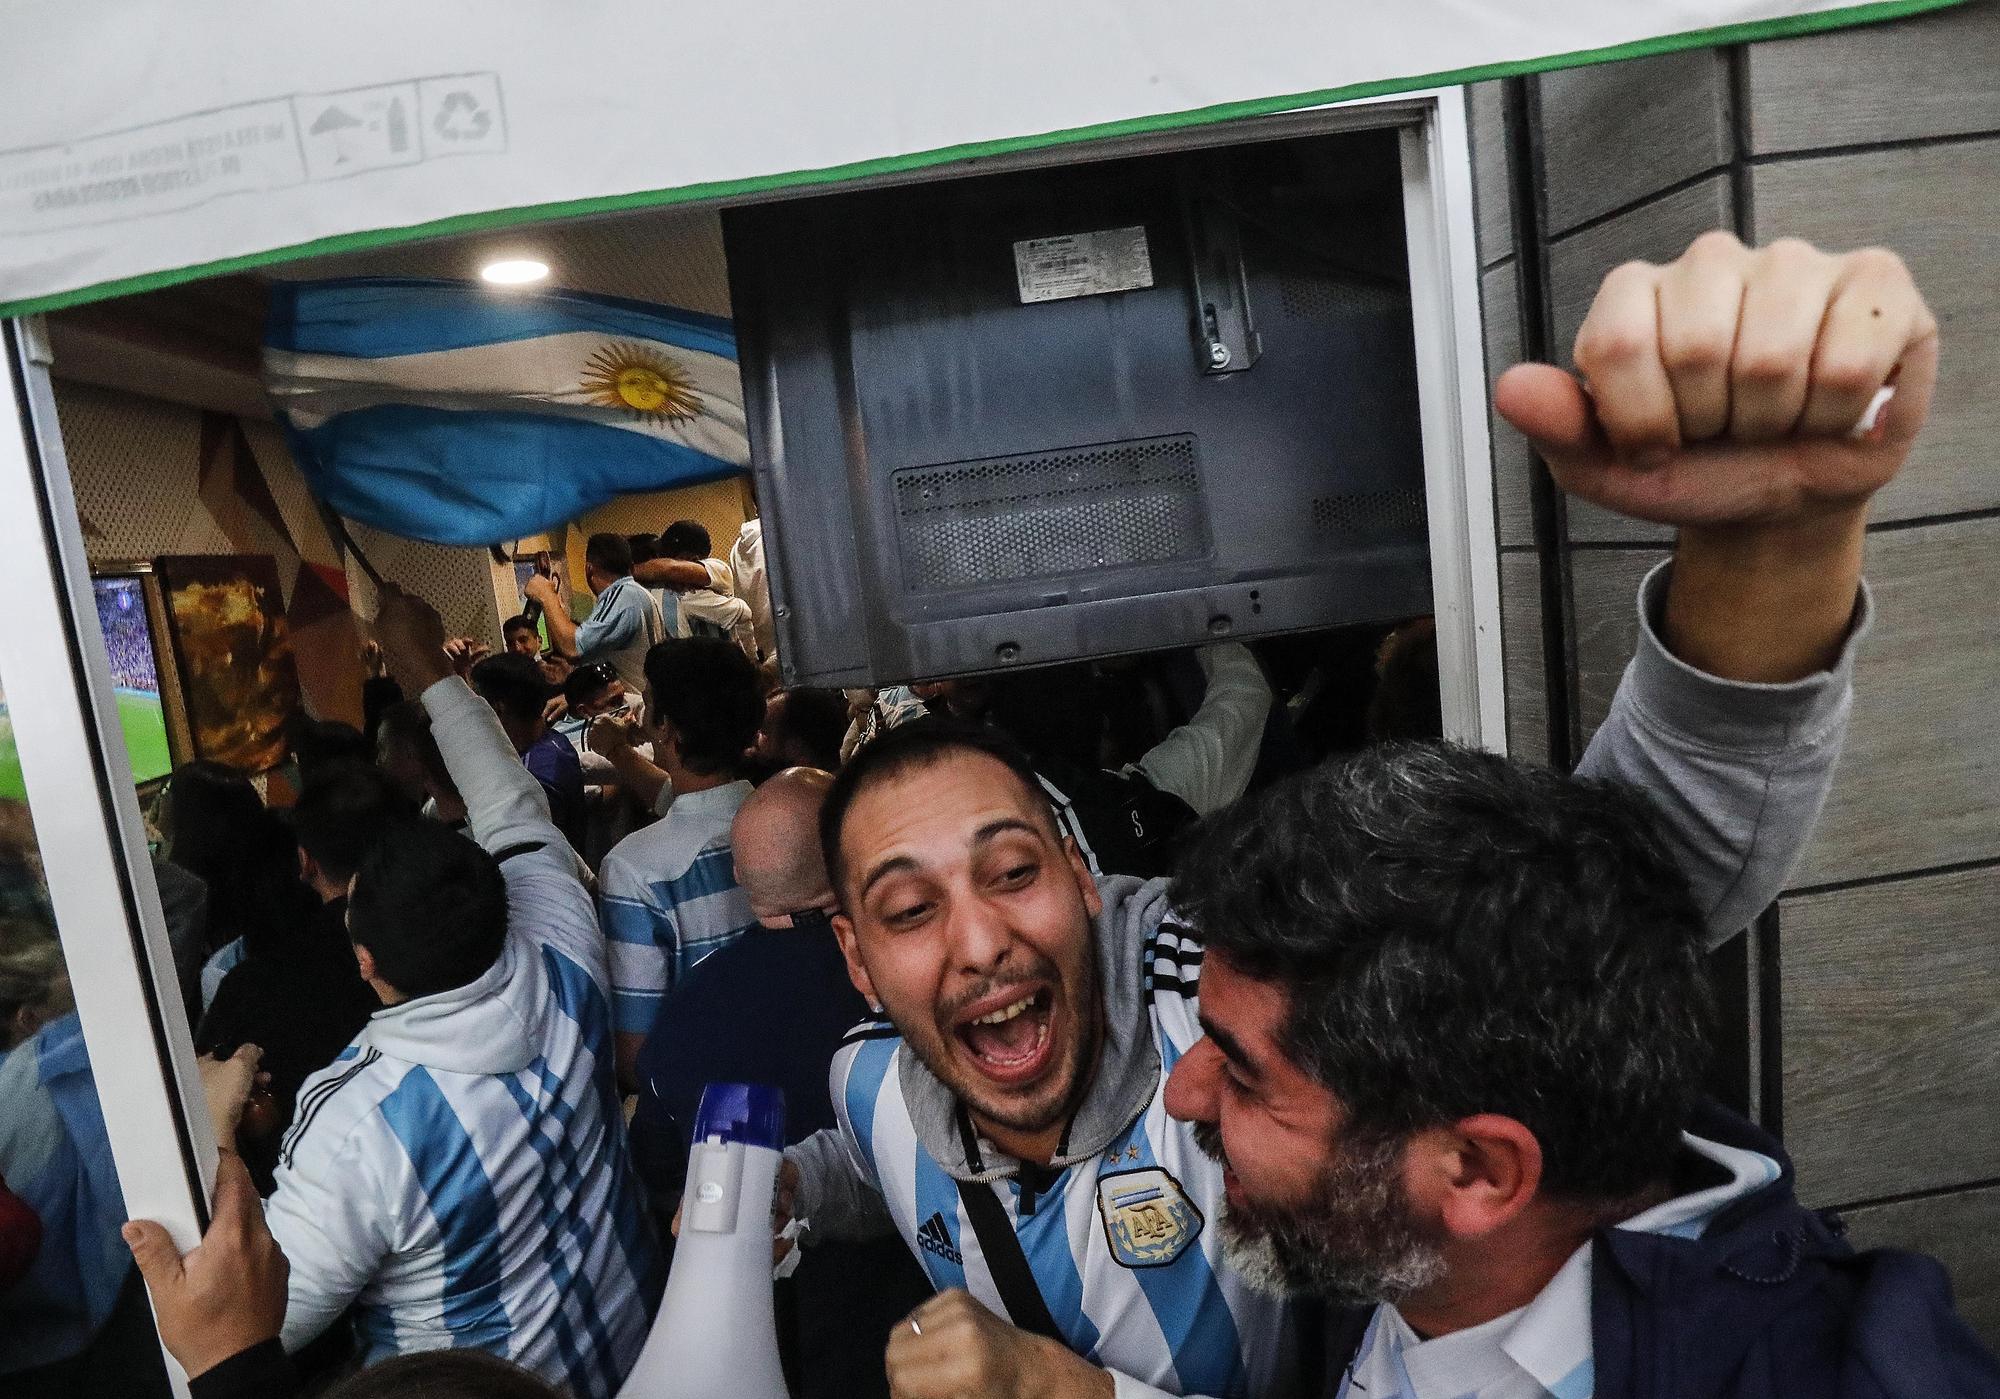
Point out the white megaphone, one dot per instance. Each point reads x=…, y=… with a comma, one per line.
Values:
x=716, y=1336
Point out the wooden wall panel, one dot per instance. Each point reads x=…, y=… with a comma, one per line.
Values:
x=1938, y=206
x=1892, y=1035
x=1606, y=587
x=1614, y=133
x=1919, y=786
x=1928, y=76
x=1492, y=178
x=1513, y=460
x=1527, y=684
x=1962, y=1231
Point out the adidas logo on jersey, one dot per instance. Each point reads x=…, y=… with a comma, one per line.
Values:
x=935, y=1237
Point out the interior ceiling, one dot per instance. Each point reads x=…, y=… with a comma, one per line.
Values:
x=198, y=344
x=663, y=255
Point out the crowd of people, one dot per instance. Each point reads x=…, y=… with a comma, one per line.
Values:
x=128, y=637
x=1120, y=1058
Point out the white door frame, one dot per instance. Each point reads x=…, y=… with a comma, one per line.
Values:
x=80, y=789
x=85, y=809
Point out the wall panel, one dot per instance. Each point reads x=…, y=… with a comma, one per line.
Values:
x=1939, y=207
x=1527, y=684
x=1892, y=1036
x=1606, y=585
x=1492, y=175
x=1514, y=461
x=1958, y=1230
x=1922, y=77
x=1614, y=133
x=1920, y=783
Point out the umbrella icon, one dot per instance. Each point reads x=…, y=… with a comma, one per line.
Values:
x=332, y=122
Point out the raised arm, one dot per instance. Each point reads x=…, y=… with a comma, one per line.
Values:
x=555, y=611
x=1208, y=761
x=504, y=804
x=678, y=575
x=1725, y=394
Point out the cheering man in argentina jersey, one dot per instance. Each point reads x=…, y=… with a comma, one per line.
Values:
x=1006, y=1114
x=460, y=1175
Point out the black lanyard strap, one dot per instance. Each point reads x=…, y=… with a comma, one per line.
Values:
x=1007, y=1262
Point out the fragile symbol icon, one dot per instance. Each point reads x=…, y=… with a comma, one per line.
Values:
x=461, y=118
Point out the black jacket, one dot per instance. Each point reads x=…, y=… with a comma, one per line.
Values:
x=1770, y=1302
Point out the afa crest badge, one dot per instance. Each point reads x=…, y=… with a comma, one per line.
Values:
x=1148, y=1218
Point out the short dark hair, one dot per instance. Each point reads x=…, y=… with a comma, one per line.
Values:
x=345, y=808
x=444, y=1374
x=521, y=622
x=431, y=908
x=814, y=722
x=685, y=539
x=513, y=685
x=586, y=682
x=608, y=553
x=645, y=547
x=909, y=747
x=1460, y=934
x=407, y=725
x=708, y=690
x=317, y=742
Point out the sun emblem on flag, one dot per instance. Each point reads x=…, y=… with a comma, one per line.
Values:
x=642, y=380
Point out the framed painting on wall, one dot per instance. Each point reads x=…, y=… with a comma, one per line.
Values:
x=240, y=681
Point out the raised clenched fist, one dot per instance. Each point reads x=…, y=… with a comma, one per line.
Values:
x=1726, y=388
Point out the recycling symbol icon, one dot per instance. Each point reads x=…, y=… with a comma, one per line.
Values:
x=461, y=118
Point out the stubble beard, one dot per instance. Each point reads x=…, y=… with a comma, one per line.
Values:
x=1065, y=1089
x=1355, y=1241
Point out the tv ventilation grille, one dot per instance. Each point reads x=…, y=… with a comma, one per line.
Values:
x=1310, y=296
x=1046, y=514
x=1366, y=515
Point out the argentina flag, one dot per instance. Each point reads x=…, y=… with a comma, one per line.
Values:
x=448, y=412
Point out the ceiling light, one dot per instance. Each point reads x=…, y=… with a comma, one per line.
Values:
x=514, y=271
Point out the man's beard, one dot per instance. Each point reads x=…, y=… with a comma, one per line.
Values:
x=1353, y=1241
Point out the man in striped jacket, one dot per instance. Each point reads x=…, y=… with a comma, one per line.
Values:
x=460, y=1175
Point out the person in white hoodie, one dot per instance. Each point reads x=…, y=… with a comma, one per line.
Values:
x=460, y=1175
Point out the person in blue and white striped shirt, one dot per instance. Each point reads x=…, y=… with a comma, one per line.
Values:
x=460, y=1175
x=623, y=623
x=668, y=893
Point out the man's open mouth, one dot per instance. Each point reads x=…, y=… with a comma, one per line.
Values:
x=1008, y=1034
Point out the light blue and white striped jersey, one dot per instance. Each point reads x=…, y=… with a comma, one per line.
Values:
x=668, y=897
x=1542, y=1350
x=461, y=1173
x=623, y=626
x=1121, y=1243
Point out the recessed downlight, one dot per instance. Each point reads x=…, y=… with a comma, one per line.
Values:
x=514, y=271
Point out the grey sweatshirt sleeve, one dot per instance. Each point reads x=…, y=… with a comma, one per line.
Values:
x=1738, y=771
x=835, y=1195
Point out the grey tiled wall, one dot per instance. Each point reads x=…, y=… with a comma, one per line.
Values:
x=1880, y=1038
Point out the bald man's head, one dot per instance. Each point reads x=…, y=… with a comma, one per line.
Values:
x=776, y=844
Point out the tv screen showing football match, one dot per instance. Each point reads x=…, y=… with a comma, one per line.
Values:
x=135, y=674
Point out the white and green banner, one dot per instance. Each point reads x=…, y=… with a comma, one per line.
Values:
x=147, y=141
